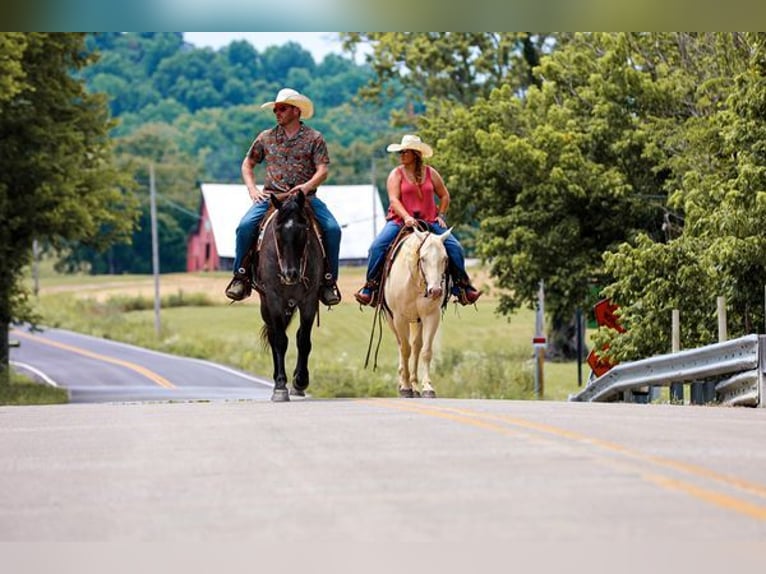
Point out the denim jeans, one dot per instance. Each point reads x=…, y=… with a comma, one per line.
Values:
x=380, y=244
x=248, y=227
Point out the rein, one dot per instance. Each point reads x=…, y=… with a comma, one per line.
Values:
x=420, y=265
x=381, y=306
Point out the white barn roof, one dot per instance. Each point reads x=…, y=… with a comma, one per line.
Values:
x=357, y=208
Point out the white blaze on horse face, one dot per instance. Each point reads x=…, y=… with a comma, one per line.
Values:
x=433, y=264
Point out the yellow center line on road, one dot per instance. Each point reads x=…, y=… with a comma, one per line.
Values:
x=151, y=375
x=716, y=498
x=476, y=418
x=467, y=419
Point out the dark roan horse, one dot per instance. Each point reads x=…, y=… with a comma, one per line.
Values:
x=290, y=269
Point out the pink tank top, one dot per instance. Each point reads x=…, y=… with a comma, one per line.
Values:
x=420, y=204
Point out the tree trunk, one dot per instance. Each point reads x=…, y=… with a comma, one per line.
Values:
x=5, y=373
x=562, y=341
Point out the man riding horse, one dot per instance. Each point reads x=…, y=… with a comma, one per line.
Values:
x=296, y=160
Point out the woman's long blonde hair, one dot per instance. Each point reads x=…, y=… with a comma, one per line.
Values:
x=419, y=178
x=419, y=175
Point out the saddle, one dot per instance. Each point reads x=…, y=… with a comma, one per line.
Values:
x=391, y=253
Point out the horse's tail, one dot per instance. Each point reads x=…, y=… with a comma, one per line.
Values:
x=265, y=337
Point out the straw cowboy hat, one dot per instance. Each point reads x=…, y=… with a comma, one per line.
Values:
x=293, y=98
x=410, y=141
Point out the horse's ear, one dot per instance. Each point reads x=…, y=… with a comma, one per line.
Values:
x=419, y=234
x=274, y=201
x=301, y=198
x=443, y=237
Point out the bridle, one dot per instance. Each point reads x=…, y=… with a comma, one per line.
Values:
x=303, y=259
x=422, y=271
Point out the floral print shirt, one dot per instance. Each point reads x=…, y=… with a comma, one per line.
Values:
x=289, y=161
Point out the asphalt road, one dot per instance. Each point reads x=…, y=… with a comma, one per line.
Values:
x=456, y=481
x=410, y=470
x=100, y=370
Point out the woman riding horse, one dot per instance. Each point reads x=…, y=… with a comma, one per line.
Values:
x=411, y=189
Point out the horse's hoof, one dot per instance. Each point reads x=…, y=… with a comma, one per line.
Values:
x=280, y=396
x=429, y=394
x=297, y=392
x=416, y=394
x=406, y=393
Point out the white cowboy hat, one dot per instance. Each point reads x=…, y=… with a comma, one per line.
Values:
x=293, y=98
x=410, y=141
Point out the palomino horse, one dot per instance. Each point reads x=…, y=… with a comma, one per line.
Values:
x=290, y=269
x=413, y=291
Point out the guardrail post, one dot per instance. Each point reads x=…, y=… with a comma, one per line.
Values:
x=697, y=393
x=761, y=368
x=721, y=306
x=709, y=387
x=676, y=389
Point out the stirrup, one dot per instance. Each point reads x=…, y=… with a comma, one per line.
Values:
x=329, y=294
x=242, y=280
x=372, y=288
x=465, y=293
x=368, y=298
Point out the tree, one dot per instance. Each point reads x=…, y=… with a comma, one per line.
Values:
x=176, y=180
x=451, y=66
x=719, y=162
x=57, y=179
x=562, y=173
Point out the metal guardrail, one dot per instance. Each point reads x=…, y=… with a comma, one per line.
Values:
x=734, y=369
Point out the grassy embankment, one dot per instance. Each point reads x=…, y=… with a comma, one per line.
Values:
x=478, y=353
x=23, y=391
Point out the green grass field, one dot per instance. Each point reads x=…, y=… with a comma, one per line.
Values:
x=477, y=353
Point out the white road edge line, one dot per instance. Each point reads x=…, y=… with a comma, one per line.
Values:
x=36, y=371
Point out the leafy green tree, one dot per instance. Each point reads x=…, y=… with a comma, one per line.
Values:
x=193, y=78
x=57, y=178
x=720, y=184
x=176, y=178
x=452, y=66
x=564, y=172
x=279, y=60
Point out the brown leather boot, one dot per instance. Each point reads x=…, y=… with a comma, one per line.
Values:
x=329, y=294
x=465, y=293
x=368, y=294
x=239, y=287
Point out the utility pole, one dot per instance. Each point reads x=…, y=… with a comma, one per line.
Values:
x=538, y=343
x=374, y=198
x=36, y=266
x=155, y=250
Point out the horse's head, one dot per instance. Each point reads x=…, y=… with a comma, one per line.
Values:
x=432, y=261
x=291, y=232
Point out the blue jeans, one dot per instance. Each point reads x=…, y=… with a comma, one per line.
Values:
x=381, y=243
x=248, y=227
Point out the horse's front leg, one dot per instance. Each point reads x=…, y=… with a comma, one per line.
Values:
x=303, y=342
x=429, y=325
x=401, y=327
x=416, y=334
x=278, y=342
